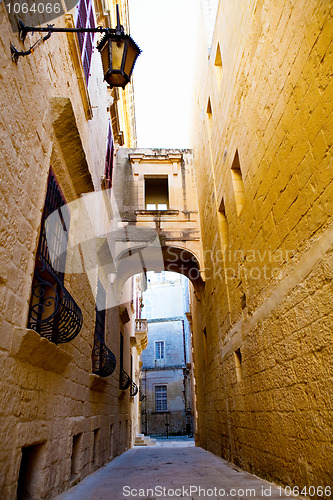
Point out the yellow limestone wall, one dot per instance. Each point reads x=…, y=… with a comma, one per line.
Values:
x=264, y=367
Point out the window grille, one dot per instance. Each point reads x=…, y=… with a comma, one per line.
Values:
x=161, y=398
x=109, y=159
x=103, y=360
x=53, y=312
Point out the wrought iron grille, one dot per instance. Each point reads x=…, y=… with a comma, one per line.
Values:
x=142, y=397
x=124, y=381
x=134, y=389
x=104, y=361
x=53, y=312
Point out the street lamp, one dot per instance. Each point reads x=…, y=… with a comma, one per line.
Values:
x=119, y=52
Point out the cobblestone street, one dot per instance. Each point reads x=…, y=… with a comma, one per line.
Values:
x=171, y=469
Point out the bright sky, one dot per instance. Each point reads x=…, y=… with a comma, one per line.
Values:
x=165, y=30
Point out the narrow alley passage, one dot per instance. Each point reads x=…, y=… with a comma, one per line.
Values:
x=172, y=468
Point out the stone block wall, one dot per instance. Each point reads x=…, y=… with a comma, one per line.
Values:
x=54, y=412
x=262, y=142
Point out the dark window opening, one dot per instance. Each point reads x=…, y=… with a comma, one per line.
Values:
x=156, y=193
x=29, y=486
x=238, y=364
x=96, y=446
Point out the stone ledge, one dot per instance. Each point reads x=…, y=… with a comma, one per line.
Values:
x=28, y=346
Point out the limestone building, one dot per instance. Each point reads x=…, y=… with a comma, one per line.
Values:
x=262, y=140
x=69, y=400
x=167, y=407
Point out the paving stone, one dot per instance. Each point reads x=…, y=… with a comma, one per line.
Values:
x=171, y=469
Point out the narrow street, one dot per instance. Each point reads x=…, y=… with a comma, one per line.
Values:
x=170, y=469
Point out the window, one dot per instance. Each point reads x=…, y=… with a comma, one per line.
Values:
x=161, y=398
x=85, y=19
x=109, y=159
x=223, y=226
x=209, y=118
x=31, y=469
x=159, y=349
x=53, y=312
x=218, y=65
x=156, y=193
x=75, y=459
x=237, y=181
x=238, y=365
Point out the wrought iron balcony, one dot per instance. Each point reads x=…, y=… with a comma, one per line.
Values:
x=103, y=360
x=53, y=313
x=124, y=381
x=134, y=389
x=142, y=397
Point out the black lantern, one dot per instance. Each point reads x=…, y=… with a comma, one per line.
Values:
x=119, y=53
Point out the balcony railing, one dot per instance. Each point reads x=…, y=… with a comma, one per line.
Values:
x=53, y=313
x=124, y=381
x=141, y=326
x=104, y=361
x=141, y=334
x=134, y=389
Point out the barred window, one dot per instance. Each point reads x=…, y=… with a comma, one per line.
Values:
x=53, y=312
x=86, y=19
x=161, y=398
x=159, y=349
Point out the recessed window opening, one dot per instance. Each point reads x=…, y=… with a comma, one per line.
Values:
x=209, y=118
x=238, y=185
x=218, y=65
x=238, y=365
x=223, y=226
x=111, y=441
x=29, y=482
x=97, y=433
x=161, y=398
x=156, y=193
x=205, y=344
x=160, y=349
x=76, y=452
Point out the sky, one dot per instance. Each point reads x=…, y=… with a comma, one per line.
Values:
x=165, y=30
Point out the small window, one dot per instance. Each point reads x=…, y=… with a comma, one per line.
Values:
x=156, y=193
x=238, y=365
x=161, y=398
x=223, y=226
x=159, y=349
x=30, y=475
x=76, y=451
x=209, y=113
x=218, y=65
x=238, y=185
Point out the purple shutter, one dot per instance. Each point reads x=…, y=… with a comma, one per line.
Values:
x=86, y=19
